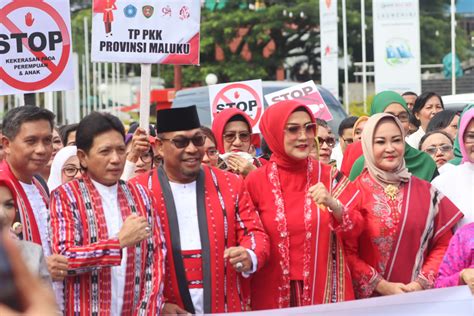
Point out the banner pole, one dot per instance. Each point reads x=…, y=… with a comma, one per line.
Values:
x=145, y=83
x=346, y=70
x=87, y=52
x=364, y=58
x=453, y=47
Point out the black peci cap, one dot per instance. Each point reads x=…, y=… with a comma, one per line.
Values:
x=177, y=119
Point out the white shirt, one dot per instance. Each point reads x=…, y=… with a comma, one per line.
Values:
x=113, y=218
x=458, y=186
x=184, y=196
x=41, y=213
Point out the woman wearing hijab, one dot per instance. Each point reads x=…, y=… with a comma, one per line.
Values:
x=458, y=183
x=417, y=162
x=65, y=167
x=233, y=131
x=404, y=226
x=307, y=265
x=354, y=150
x=457, y=152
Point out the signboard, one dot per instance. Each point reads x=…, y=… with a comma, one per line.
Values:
x=35, y=46
x=329, y=46
x=147, y=32
x=447, y=301
x=245, y=95
x=397, y=45
x=306, y=93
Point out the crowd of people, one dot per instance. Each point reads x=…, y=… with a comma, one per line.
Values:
x=181, y=218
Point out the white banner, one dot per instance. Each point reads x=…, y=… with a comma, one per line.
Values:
x=448, y=301
x=143, y=31
x=397, y=45
x=244, y=95
x=329, y=46
x=35, y=46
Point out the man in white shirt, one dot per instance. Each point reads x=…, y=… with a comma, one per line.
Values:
x=107, y=229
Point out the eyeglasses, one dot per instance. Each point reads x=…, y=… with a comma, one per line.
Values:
x=181, y=142
x=330, y=141
x=231, y=136
x=402, y=117
x=348, y=140
x=146, y=157
x=432, y=150
x=212, y=153
x=295, y=130
x=71, y=171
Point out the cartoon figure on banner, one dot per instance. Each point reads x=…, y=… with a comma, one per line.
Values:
x=184, y=13
x=106, y=7
x=166, y=11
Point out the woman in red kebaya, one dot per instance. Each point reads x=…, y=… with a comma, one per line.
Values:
x=405, y=224
x=307, y=264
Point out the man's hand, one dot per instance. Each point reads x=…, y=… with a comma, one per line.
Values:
x=173, y=309
x=57, y=266
x=239, y=258
x=390, y=288
x=139, y=145
x=134, y=230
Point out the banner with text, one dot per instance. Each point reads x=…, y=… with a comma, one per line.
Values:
x=140, y=31
x=244, y=95
x=329, y=46
x=305, y=93
x=35, y=46
x=397, y=45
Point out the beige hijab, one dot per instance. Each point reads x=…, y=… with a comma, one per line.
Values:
x=401, y=173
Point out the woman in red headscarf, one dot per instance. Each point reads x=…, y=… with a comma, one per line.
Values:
x=233, y=132
x=307, y=265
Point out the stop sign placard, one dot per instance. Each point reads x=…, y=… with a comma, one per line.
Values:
x=35, y=46
x=245, y=95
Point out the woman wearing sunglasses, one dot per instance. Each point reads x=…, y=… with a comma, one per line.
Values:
x=326, y=143
x=307, y=264
x=233, y=132
x=439, y=145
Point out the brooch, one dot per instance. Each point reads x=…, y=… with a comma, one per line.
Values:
x=391, y=191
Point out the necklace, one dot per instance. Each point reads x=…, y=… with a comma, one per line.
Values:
x=391, y=191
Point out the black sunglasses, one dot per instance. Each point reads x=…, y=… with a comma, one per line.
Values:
x=183, y=142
